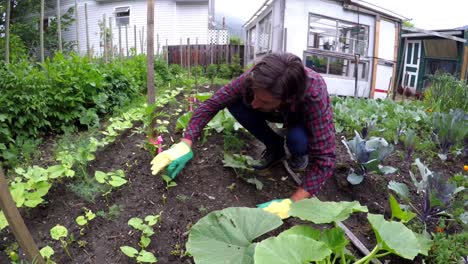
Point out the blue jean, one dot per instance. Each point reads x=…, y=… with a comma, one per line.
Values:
x=255, y=122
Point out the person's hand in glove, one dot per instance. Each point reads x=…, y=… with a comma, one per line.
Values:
x=176, y=157
x=280, y=207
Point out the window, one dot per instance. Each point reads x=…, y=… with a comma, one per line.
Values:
x=122, y=16
x=264, y=34
x=338, y=36
x=337, y=66
x=251, y=37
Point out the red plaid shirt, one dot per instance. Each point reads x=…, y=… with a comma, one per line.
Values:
x=318, y=119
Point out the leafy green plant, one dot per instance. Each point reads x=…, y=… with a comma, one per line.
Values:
x=30, y=188
x=146, y=227
x=449, y=130
x=212, y=72
x=60, y=233
x=83, y=220
x=367, y=154
x=229, y=234
x=448, y=248
x=241, y=165
x=47, y=252
x=168, y=181
x=445, y=93
x=225, y=71
x=437, y=193
x=114, y=179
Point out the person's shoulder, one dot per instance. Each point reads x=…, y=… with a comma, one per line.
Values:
x=315, y=84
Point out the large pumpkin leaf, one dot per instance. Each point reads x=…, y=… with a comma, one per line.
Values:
x=227, y=235
x=391, y=234
x=320, y=212
x=290, y=249
x=303, y=231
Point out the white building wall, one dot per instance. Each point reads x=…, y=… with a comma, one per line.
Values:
x=167, y=23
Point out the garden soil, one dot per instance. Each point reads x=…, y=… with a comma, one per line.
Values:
x=201, y=188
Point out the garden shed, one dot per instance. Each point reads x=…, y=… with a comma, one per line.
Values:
x=426, y=52
x=333, y=37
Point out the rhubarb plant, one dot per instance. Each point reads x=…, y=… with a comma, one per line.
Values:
x=367, y=154
x=229, y=234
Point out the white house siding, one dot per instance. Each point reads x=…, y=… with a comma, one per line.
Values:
x=296, y=21
x=166, y=23
x=192, y=22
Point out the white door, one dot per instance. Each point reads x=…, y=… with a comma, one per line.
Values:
x=411, y=66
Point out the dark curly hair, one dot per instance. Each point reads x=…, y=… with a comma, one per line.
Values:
x=282, y=74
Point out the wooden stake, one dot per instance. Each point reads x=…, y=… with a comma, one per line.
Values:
x=88, y=50
x=126, y=39
x=104, y=37
x=120, y=43
x=7, y=32
x=135, y=39
x=111, y=39
x=150, y=53
x=189, y=56
x=59, y=27
x=16, y=223
x=77, y=24
x=41, y=32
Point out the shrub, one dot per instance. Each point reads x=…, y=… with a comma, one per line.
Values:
x=445, y=93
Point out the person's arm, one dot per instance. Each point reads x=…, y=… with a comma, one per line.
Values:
x=208, y=109
x=319, y=123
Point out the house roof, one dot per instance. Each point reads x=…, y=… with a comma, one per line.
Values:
x=453, y=34
x=358, y=3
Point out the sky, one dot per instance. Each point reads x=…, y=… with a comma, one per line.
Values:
x=425, y=14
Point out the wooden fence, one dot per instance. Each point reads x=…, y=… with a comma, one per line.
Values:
x=204, y=55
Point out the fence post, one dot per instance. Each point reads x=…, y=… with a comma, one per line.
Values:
x=126, y=39
x=167, y=53
x=77, y=24
x=41, y=32
x=111, y=39
x=120, y=43
x=180, y=49
x=87, y=30
x=135, y=39
x=142, y=38
x=188, y=51
x=157, y=45
x=150, y=53
x=104, y=37
x=59, y=27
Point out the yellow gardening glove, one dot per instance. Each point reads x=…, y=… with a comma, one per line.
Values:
x=176, y=157
x=279, y=207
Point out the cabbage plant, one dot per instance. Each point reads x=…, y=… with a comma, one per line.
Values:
x=367, y=154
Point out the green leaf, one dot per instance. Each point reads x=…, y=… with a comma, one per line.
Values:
x=228, y=234
x=136, y=223
x=116, y=181
x=56, y=171
x=3, y=221
x=145, y=241
x=320, y=212
x=129, y=251
x=400, y=189
x=183, y=120
x=146, y=257
x=203, y=96
x=47, y=252
x=354, y=178
x=152, y=219
x=90, y=215
x=425, y=244
x=58, y=232
x=387, y=169
x=303, y=231
x=290, y=249
x=81, y=220
x=390, y=235
x=100, y=176
x=398, y=213
x=335, y=239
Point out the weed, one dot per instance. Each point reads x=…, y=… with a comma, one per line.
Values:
x=182, y=197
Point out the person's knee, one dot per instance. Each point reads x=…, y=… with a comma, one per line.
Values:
x=297, y=140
